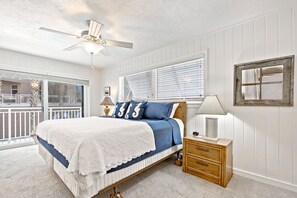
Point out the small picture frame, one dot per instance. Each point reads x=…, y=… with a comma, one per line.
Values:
x=107, y=91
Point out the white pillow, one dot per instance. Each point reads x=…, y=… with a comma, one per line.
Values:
x=175, y=105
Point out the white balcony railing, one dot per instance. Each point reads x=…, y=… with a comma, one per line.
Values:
x=19, y=122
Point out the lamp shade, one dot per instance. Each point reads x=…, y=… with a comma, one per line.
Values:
x=107, y=101
x=211, y=105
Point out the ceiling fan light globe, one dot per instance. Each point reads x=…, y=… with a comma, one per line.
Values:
x=92, y=48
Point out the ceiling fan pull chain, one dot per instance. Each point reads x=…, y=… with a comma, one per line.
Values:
x=92, y=66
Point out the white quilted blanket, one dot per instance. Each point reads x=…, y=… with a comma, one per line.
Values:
x=96, y=145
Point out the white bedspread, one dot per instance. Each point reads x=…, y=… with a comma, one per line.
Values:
x=96, y=145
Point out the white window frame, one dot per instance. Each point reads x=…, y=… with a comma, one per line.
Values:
x=153, y=68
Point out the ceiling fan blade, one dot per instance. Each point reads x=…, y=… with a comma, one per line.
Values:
x=95, y=28
x=105, y=52
x=118, y=43
x=58, y=32
x=73, y=47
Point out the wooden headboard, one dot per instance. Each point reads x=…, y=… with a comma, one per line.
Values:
x=181, y=113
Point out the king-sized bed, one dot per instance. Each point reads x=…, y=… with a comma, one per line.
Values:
x=95, y=154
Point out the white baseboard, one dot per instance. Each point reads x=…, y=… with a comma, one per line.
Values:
x=266, y=180
x=16, y=143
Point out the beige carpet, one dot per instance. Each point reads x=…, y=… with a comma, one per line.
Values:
x=23, y=173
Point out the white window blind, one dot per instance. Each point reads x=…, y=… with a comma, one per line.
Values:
x=138, y=86
x=181, y=81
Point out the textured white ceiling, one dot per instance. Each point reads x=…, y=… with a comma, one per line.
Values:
x=149, y=24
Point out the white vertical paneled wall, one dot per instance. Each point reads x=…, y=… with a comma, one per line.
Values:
x=17, y=61
x=265, y=138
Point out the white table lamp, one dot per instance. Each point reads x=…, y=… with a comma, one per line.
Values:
x=211, y=106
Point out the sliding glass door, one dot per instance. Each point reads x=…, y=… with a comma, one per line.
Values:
x=28, y=99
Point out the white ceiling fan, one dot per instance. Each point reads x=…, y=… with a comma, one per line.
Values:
x=91, y=39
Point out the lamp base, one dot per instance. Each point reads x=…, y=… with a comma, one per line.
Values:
x=106, y=110
x=211, y=129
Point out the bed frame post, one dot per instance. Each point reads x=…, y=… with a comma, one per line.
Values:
x=116, y=194
x=178, y=160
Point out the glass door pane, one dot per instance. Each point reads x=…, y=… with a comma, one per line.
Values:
x=20, y=107
x=65, y=100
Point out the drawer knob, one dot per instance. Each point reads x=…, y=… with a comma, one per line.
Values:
x=202, y=163
x=202, y=149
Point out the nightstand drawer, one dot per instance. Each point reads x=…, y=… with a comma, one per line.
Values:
x=204, y=151
x=203, y=176
x=200, y=165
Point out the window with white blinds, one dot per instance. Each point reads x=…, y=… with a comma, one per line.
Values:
x=138, y=86
x=181, y=81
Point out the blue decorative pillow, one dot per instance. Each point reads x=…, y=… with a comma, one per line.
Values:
x=135, y=110
x=158, y=110
x=120, y=110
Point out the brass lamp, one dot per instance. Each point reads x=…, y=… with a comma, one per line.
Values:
x=107, y=102
x=211, y=106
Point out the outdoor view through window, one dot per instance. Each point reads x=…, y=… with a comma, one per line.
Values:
x=21, y=105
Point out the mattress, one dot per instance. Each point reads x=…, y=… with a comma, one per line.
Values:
x=166, y=133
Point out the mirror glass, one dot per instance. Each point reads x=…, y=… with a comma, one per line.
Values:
x=260, y=84
x=251, y=92
x=250, y=76
x=272, y=82
x=250, y=84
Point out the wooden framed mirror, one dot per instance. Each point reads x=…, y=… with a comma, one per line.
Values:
x=265, y=83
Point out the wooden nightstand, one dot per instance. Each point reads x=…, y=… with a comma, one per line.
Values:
x=209, y=160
